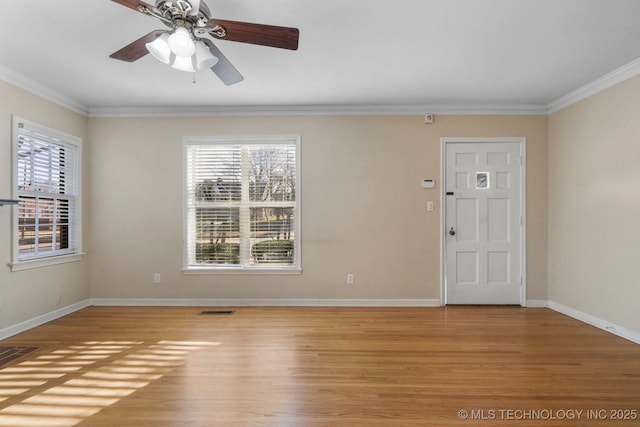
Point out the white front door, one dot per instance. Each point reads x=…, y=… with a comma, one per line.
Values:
x=483, y=226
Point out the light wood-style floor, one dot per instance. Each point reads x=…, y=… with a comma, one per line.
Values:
x=298, y=367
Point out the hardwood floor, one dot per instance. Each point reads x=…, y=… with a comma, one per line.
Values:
x=455, y=366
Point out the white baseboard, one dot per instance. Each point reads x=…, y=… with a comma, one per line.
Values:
x=208, y=302
x=298, y=302
x=596, y=321
x=39, y=320
x=537, y=303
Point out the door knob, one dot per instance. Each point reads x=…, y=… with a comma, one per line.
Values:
x=452, y=232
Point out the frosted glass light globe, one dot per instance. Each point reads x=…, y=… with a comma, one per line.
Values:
x=180, y=42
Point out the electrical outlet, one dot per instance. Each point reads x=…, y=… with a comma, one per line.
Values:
x=350, y=279
x=156, y=278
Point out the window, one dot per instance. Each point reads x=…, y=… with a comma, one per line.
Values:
x=47, y=186
x=242, y=204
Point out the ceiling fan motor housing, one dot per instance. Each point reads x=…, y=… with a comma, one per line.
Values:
x=174, y=10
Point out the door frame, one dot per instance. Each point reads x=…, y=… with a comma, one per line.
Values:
x=522, y=141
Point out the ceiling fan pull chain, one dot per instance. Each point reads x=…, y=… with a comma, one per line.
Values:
x=194, y=77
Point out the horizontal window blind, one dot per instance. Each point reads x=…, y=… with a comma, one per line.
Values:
x=47, y=181
x=241, y=204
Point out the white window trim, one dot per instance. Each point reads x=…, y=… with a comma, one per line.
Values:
x=60, y=258
x=45, y=261
x=232, y=271
x=241, y=270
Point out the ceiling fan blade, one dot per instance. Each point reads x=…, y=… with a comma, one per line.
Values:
x=195, y=7
x=265, y=35
x=223, y=68
x=135, y=5
x=137, y=49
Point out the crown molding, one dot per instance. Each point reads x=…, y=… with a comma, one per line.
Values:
x=308, y=110
x=14, y=78
x=618, y=75
x=42, y=91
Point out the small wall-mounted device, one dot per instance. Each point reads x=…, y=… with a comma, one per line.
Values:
x=428, y=118
x=428, y=183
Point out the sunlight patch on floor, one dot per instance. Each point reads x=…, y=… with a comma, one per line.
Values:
x=89, y=391
x=5, y=377
x=12, y=391
x=43, y=399
x=50, y=410
x=121, y=368
x=26, y=421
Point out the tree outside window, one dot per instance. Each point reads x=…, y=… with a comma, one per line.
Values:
x=242, y=204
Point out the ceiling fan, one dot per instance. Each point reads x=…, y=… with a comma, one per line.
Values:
x=185, y=46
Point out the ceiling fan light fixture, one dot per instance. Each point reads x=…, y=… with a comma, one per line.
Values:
x=204, y=57
x=183, y=63
x=186, y=22
x=160, y=49
x=181, y=43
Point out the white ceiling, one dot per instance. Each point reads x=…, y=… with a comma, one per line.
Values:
x=353, y=53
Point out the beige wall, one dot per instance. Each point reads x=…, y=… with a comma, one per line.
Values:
x=594, y=205
x=363, y=210
x=31, y=293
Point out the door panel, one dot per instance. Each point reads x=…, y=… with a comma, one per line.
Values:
x=483, y=263
x=467, y=220
x=498, y=220
x=467, y=267
x=498, y=267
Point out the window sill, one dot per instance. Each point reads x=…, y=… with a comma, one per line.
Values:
x=241, y=271
x=45, y=262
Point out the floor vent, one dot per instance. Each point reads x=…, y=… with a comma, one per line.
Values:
x=9, y=354
x=217, y=312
